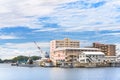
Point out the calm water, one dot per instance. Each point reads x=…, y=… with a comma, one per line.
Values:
x=8, y=72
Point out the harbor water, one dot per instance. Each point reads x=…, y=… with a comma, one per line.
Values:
x=8, y=72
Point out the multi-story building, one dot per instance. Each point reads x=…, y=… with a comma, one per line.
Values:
x=66, y=43
x=63, y=43
x=108, y=49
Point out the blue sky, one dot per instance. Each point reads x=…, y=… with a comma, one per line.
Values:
x=25, y=21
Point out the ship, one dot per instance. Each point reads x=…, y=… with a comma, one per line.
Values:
x=29, y=63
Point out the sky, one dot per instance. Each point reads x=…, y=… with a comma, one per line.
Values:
x=24, y=21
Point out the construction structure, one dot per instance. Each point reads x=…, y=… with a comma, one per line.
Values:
x=108, y=49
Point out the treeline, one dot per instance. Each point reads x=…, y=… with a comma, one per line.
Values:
x=25, y=58
x=20, y=59
x=1, y=61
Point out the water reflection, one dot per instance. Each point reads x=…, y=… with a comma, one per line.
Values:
x=39, y=73
x=85, y=74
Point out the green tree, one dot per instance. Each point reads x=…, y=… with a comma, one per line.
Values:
x=1, y=61
x=35, y=57
x=20, y=59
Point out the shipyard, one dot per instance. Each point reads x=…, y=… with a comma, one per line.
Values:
x=67, y=53
x=59, y=39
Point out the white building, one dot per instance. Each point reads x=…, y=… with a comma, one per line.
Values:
x=91, y=57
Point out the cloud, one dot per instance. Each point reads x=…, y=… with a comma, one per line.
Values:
x=55, y=19
x=25, y=12
x=78, y=18
x=8, y=37
x=10, y=50
x=80, y=4
x=70, y=15
x=46, y=29
x=112, y=34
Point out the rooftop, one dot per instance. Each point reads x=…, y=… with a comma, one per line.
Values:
x=94, y=53
x=67, y=48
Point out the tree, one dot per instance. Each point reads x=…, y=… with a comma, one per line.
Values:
x=7, y=61
x=24, y=58
x=1, y=61
x=35, y=57
x=20, y=59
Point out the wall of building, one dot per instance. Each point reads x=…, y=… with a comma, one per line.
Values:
x=62, y=44
x=108, y=49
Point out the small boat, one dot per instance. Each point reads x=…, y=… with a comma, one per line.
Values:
x=29, y=63
x=63, y=65
x=46, y=62
x=14, y=64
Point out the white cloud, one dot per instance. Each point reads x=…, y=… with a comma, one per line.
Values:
x=82, y=19
x=85, y=43
x=112, y=34
x=46, y=29
x=26, y=12
x=10, y=50
x=8, y=37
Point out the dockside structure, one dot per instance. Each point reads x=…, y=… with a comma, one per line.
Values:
x=69, y=51
x=66, y=43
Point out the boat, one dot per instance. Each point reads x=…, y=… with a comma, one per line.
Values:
x=66, y=65
x=14, y=64
x=46, y=62
x=30, y=63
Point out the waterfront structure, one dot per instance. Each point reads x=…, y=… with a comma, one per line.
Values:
x=91, y=57
x=111, y=59
x=66, y=43
x=70, y=55
x=108, y=49
x=68, y=52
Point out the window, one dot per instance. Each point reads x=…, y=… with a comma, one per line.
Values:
x=58, y=55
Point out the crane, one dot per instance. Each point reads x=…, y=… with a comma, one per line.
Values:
x=41, y=52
